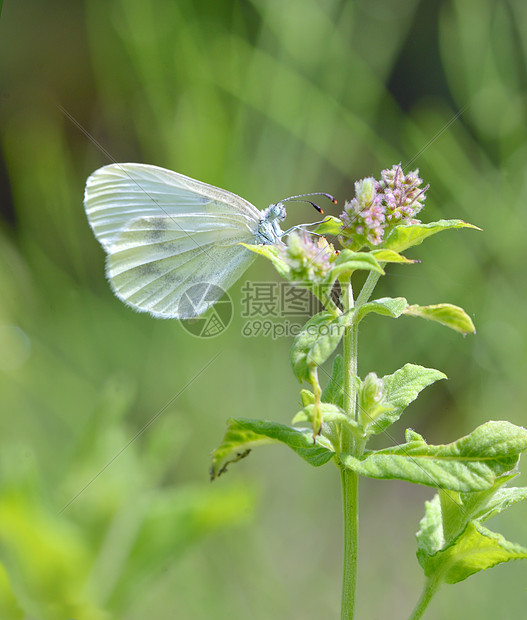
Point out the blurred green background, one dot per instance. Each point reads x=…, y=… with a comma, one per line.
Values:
x=267, y=99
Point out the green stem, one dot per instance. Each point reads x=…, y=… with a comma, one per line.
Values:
x=367, y=289
x=350, y=512
x=428, y=592
x=350, y=339
x=349, y=479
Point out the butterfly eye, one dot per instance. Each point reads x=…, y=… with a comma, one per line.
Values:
x=278, y=211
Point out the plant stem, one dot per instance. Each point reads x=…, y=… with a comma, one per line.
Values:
x=349, y=479
x=350, y=371
x=428, y=592
x=369, y=285
x=350, y=513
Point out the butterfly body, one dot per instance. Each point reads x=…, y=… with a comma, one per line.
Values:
x=269, y=231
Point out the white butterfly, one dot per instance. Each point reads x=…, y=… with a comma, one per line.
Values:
x=165, y=232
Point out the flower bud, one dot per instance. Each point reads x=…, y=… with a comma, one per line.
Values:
x=309, y=260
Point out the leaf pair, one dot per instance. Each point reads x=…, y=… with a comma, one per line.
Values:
x=471, y=464
x=452, y=542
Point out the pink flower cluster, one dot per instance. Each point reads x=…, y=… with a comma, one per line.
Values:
x=309, y=260
x=378, y=206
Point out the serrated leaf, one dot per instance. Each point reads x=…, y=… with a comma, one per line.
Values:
x=371, y=402
x=318, y=339
x=502, y=500
x=271, y=252
x=411, y=435
x=386, y=306
x=330, y=226
x=242, y=435
x=459, y=508
x=307, y=397
x=348, y=261
x=446, y=314
x=475, y=549
x=471, y=463
x=486, y=504
x=334, y=391
x=329, y=412
x=400, y=389
x=389, y=256
x=331, y=420
x=408, y=235
x=430, y=535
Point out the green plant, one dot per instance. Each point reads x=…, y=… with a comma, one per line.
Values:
x=337, y=421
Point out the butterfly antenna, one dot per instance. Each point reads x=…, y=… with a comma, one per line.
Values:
x=296, y=199
x=308, y=202
x=329, y=196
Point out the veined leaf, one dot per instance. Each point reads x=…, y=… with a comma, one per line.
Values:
x=330, y=413
x=316, y=342
x=475, y=549
x=430, y=537
x=242, y=435
x=449, y=512
x=349, y=261
x=446, y=314
x=307, y=397
x=471, y=463
x=407, y=235
x=399, y=390
x=486, y=504
x=386, y=306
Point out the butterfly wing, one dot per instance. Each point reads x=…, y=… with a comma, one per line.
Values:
x=164, y=233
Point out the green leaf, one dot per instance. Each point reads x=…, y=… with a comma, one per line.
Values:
x=446, y=314
x=447, y=515
x=330, y=419
x=271, y=252
x=430, y=535
x=399, y=390
x=334, y=391
x=486, y=504
x=471, y=463
x=242, y=435
x=330, y=413
x=411, y=435
x=386, y=306
x=307, y=397
x=318, y=339
x=457, y=509
x=389, y=256
x=475, y=549
x=371, y=401
x=502, y=500
x=348, y=261
x=407, y=235
x=330, y=226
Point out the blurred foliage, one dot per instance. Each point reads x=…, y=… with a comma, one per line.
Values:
x=267, y=99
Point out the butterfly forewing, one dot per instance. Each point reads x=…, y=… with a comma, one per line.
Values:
x=165, y=232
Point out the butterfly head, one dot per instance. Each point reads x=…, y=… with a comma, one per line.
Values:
x=275, y=212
